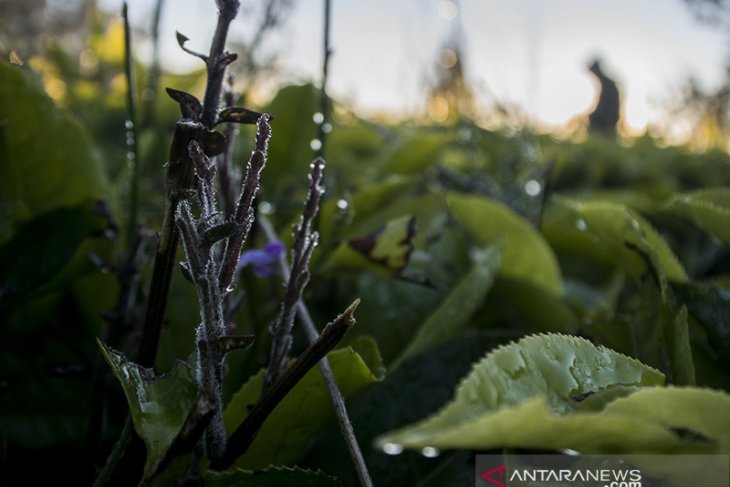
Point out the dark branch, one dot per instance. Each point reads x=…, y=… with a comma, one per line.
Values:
x=244, y=435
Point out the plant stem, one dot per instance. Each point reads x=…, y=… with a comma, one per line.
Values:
x=227, y=10
x=131, y=129
x=179, y=182
x=152, y=83
x=304, y=243
x=323, y=99
x=338, y=401
x=115, y=456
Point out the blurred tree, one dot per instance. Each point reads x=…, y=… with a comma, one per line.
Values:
x=709, y=108
x=29, y=24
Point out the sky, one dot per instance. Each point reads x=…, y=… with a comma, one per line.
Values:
x=528, y=54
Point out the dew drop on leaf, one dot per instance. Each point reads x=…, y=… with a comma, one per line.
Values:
x=430, y=452
x=392, y=449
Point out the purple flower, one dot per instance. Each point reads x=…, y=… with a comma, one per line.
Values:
x=263, y=261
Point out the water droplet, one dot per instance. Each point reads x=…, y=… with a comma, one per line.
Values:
x=129, y=125
x=266, y=208
x=315, y=144
x=392, y=449
x=326, y=128
x=318, y=118
x=342, y=204
x=430, y=452
x=533, y=188
x=570, y=452
x=580, y=224
x=465, y=135
x=130, y=156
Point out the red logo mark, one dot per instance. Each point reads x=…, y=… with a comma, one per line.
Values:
x=488, y=476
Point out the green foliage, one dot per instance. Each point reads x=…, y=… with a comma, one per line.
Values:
x=284, y=437
x=456, y=309
x=709, y=209
x=159, y=405
x=525, y=254
x=610, y=233
x=48, y=160
x=529, y=383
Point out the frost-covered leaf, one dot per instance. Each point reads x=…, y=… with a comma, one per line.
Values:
x=457, y=308
x=525, y=253
x=159, y=405
x=284, y=436
x=709, y=209
x=611, y=233
x=271, y=477
x=544, y=374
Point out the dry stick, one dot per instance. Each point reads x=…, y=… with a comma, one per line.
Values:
x=338, y=401
x=244, y=435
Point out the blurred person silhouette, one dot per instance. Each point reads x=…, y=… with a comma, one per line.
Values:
x=606, y=114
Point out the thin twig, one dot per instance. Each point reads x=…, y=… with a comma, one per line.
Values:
x=217, y=61
x=338, y=401
x=152, y=82
x=131, y=129
x=229, y=177
x=179, y=184
x=304, y=243
x=115, y=456
x=244, y=215
x=244, y=435
x=323, y=99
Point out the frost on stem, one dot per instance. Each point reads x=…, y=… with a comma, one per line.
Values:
x=304, y=243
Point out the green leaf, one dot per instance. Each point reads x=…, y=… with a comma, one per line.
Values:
x=42, y=247
x=455, y=311
x=709, y=304
x=525, y=254
x=611, y=233
x=385, y=251
x=709, y=209
x=689, y=409
x=416, y=389
x=416, y=153
x=532, y=424
x=289, y=158
x=48, y=160
x=271, y=477
x=159, y=405
x=540, y=375
x=284, y=436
